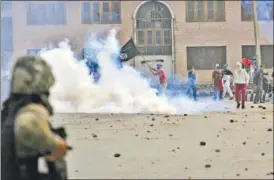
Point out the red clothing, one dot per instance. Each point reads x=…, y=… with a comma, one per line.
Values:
x=162, y=76
x=242, y=88
x=218, y=80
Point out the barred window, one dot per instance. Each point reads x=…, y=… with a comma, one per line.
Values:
x=249, y=51
x=46, y=13
x=101, y=12
x=205, y=57
x=153, y=27
x=205, y=11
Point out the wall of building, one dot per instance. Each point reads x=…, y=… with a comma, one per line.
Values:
x=233, y=33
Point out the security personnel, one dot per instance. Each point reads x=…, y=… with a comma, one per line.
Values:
x=26, y=133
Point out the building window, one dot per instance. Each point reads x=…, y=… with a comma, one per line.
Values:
x=205, y=11
x=101, y=12
x=47, y=13
x=249, y=51
x=6, y=34
x=153, y=25
x=33, y=51
x=264, y=10
x=205, y=57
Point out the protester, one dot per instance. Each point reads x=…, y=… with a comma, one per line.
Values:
x=258, y=85
x=241, y=80
x=26, y=132
x=226, y=81
x=217, y=78
x=162, y=77
x=191, y=83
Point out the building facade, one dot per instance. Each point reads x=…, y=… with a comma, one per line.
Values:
x=183, y=33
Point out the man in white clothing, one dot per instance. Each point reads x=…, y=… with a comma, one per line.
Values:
x=226, y=80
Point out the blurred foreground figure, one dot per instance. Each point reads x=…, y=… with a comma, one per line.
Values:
x=241, y=80
x=162, y=77
x=191, y=83
x=26, y=133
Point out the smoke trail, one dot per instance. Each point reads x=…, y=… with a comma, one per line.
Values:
x=119, y=90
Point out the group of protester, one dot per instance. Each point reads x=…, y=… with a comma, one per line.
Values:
x=222, y=79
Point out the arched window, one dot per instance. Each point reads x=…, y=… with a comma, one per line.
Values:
x=153, y=29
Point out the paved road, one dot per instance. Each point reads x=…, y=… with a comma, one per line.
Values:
x=232, y=144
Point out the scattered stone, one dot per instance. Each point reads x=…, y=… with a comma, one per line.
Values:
x=173, y=150
x=263, y=154
x=237, y=174
x=111, y=126
x=178, y=147
x=170, y=135
x=269, y=129
x=245, y=115
x=185, y=114
x=97, y=119
x=148, y=131
x=263, y=107
x=151, y=125
x=94, y=135
x=246, y=169
x=186, y=168
x=217, y=150
x=117, y=155
x=136, y=135
x=252, y=106
x=270, y=174
x=75, y=170
x=218, y=135
x=151, y=114
x=153, y=119
x=208, y=166
x=224, y=129
x=202, y=143
x=86, y=128
x=244, y=143
x=167, y=119
x=263, y=117
x=205, y=117
x=231, y=121
x=166, y=116
x=260, y=106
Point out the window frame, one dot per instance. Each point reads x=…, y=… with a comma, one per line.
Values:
x=94, y=12
x=203, y=49
x=205, y=12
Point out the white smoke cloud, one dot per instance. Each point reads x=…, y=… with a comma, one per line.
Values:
x=118, y=91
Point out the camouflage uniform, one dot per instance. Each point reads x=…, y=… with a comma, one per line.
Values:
x=32, y=134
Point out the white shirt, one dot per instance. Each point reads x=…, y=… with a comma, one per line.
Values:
x=241, y=76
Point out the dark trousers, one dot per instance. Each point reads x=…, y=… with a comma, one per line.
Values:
x=192, y=87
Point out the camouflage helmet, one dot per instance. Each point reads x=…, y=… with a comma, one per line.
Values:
x=31, y=75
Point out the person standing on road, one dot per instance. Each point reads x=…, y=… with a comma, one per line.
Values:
x=191, y=83
x=226, y=81
x=217, y=78
x=258, y=85
x=241, y=80
x=26, y=132
x=162, y=77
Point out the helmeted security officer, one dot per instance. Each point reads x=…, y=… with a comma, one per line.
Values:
x=26, y=132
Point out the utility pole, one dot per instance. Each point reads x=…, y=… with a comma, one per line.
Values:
x=256, y=33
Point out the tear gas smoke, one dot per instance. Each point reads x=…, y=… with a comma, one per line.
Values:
x=118, y=91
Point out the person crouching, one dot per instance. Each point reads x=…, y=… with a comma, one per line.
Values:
x=241, y=79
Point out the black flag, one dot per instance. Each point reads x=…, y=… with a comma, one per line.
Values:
x=129, y=51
